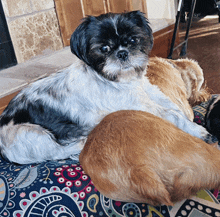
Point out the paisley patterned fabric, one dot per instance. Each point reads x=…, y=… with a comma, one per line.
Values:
x=61, y=188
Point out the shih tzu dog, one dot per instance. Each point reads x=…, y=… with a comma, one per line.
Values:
x=51, y=118
x=134, y=156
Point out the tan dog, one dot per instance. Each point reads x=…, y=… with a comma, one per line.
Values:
x=181, y=80
x=138, y=157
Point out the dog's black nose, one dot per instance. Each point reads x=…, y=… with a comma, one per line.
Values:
x=122, y=55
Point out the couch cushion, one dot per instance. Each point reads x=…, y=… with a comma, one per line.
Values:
x=61, y=188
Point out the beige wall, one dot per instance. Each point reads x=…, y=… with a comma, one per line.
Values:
x=33, y=27
x=157, y=9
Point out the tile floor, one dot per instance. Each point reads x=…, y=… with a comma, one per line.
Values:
x=17, y=77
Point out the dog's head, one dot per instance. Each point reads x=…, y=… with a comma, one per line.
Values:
x=114, y=45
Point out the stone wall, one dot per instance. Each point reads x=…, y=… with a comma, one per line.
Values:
x=33, y=27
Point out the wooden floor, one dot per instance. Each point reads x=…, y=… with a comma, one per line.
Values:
x=204, y=46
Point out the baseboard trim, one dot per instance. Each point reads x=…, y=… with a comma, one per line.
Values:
x=5, y=100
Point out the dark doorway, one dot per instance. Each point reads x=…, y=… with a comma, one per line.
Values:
x=7, y=54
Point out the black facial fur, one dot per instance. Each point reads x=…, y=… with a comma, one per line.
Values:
x=98, y=38
x=212, y=119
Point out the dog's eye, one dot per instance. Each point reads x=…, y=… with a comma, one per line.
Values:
x=133, y=40
x=105, y=49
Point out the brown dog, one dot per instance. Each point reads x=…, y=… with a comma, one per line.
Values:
x=181, y=80
x=138, y=157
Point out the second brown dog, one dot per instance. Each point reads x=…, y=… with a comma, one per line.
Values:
x=181, y=80
x=138, y=157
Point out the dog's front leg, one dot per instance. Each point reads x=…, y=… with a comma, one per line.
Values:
x=169, y=111
x=186, y=125
x=163, y=107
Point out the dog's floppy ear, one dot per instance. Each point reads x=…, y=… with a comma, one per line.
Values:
x=139, y=19
x=79, y=39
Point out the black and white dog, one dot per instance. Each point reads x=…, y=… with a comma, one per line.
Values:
x=51, y=118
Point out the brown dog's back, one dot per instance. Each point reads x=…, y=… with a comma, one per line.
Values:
x=181, y=80
x=138, y=157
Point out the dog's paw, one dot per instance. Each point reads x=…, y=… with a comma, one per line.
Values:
x=193, y=129
x=209, y=139
x=203, y=134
